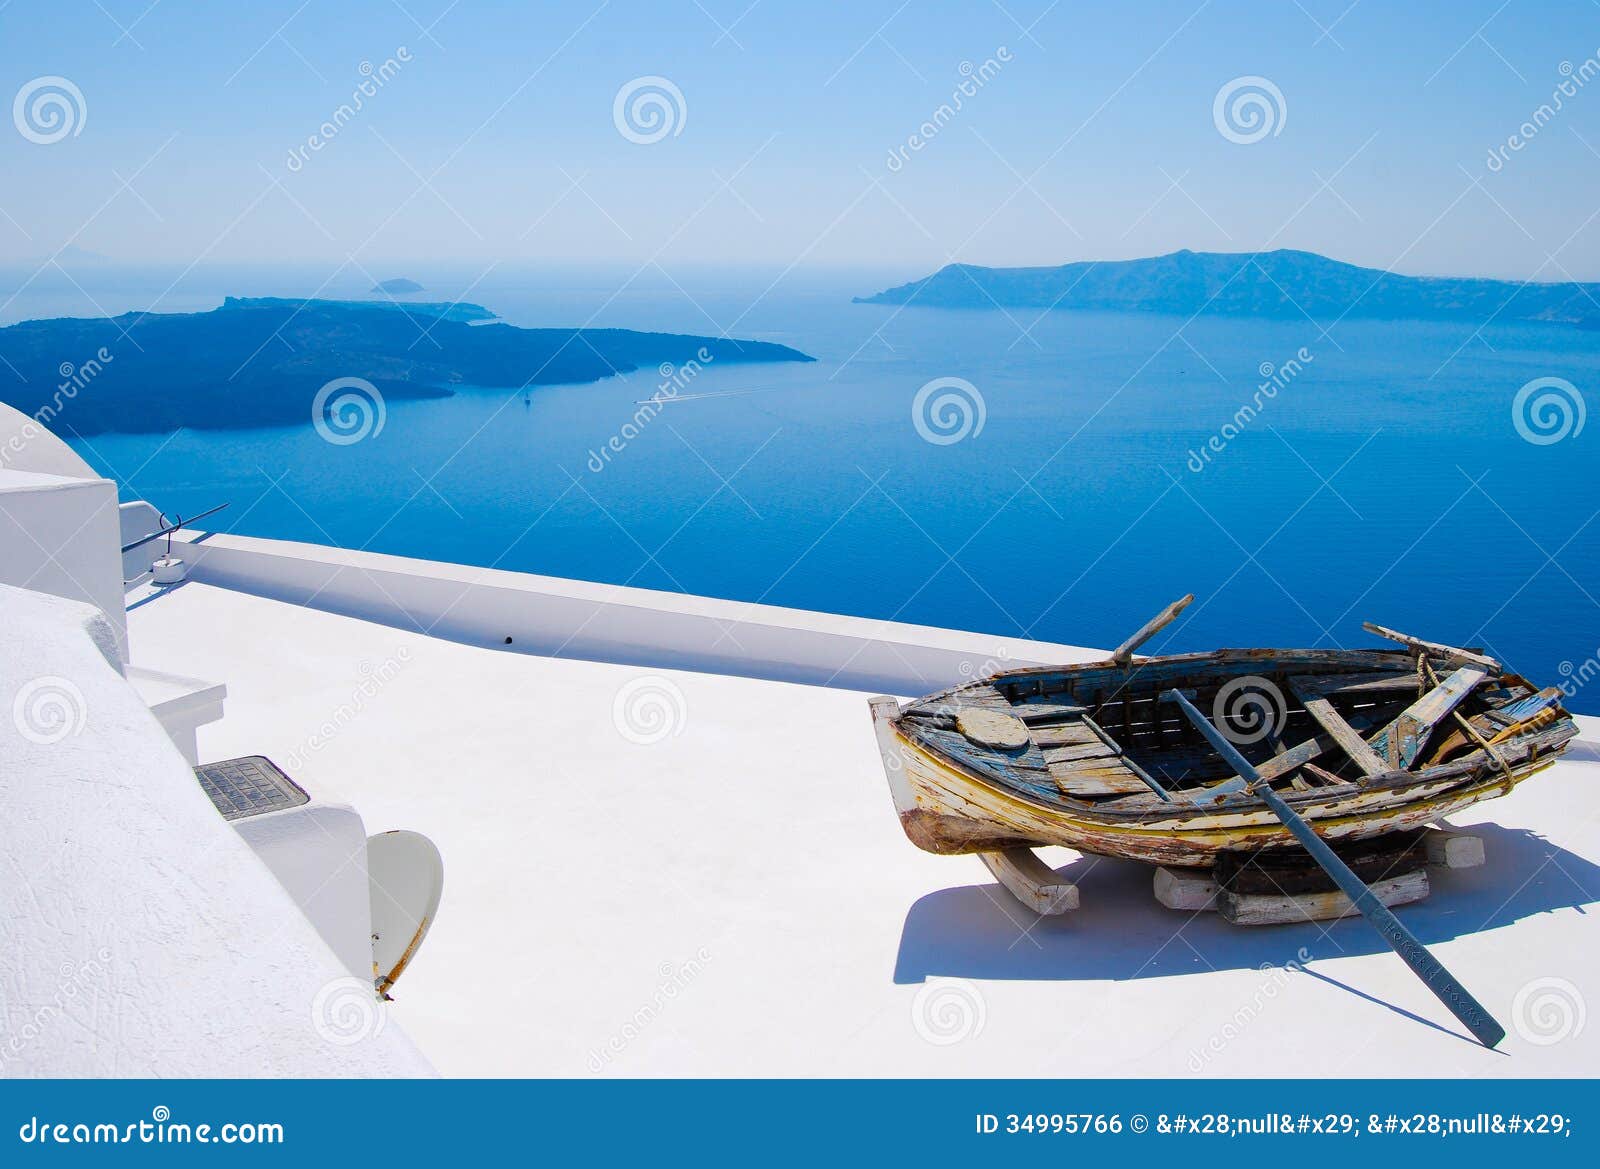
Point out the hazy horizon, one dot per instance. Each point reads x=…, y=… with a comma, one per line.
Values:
x=796, y=139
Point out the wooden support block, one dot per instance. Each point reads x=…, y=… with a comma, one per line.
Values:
x=1188, y=889
x=1450, y=849
x=1031, y=881
x=1278, y=909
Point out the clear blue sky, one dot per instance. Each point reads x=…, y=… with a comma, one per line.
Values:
x=507, y=111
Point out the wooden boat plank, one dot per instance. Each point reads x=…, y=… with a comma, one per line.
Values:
x=1072, y=752
x=1150, y=628
x=1363, y=683
x=1312, y=748
x=1215, y=667
x=1402, y=741
x=1024, y=771
x=1117, y=781
x=1451, y=652
x=1346, y=736
x=1526, y=708
x=1038, y=712
x=1064, y=735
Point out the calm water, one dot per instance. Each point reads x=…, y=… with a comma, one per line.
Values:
x=1386, y=481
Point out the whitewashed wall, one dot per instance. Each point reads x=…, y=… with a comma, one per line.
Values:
x=139, y=935
x=580, y=619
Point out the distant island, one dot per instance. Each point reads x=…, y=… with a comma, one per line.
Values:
x=397, y=287
x=1279, y=284
x=260, y=361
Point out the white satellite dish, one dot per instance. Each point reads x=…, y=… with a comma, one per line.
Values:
x=406, y=874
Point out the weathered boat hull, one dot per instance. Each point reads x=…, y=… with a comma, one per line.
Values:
x=947, y=809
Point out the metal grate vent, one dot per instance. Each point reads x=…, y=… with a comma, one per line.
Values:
x=249, y=786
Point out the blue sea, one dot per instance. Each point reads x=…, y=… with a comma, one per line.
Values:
x=1091, y=468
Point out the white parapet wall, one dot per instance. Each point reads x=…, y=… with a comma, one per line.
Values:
x=580, y=619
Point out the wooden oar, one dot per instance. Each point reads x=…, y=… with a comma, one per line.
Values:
x=1124, y=652
x=1437, y=979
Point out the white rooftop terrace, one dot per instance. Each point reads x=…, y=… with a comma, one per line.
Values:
x=668, y=843
x=727, y=892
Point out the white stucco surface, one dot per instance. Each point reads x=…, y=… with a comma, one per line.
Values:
x=724, y=889
x=139, y=935
x=58, y=534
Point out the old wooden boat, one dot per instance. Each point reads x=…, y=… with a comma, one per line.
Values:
x=1097, y=757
